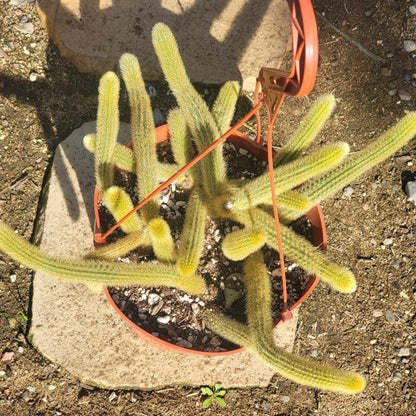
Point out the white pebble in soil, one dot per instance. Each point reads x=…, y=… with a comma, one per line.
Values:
x=348, y=191
x=409, y=45
x=410, y=189
x=163, y=319
x=153, y=299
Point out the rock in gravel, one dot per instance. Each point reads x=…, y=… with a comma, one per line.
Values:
x=158, y=117
x=163, y=319
x=153, y=299
x=410, y=189
x=390, y=317
x=184, y=344
x=409, y=45
x=412, y=9
x=397, y=376
x=26, y=396
x=404, y=95
x=348, y=191
x=285, y=399
x=403, y=352
x=25, y=27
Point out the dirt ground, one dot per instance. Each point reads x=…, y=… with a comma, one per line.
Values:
x=373, y=231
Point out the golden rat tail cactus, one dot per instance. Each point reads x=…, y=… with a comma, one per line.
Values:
x=301, y=181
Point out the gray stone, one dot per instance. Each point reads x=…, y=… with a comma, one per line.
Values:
x=158, y=117
x=404, y=95
x=397, y=376
x=219, y=41
x=410, y=189
x=80, y=331
x=390, y=317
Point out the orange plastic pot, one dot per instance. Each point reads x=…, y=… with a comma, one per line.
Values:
x=314, y=216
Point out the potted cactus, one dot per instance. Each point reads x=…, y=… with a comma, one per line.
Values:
x=301, y=182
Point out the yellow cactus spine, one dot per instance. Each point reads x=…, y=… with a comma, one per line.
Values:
x=118, y=202
x=142, y=132
x=107, y=130
x=192, y=236
x=162, y=241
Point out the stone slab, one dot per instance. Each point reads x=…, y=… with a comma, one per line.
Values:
x=80, y=331
x=219, y=40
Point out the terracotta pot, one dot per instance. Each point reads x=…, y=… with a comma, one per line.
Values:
x=315, y=217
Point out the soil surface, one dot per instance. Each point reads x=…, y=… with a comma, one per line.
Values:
x=371, y=226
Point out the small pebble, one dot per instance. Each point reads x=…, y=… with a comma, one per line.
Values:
x=404, y=95
x=367, y=13
x=389, y=55
x=386, y=72
x=377, y=313
x=196, y=309
x=412, y=9
x=265, y=405
x=112, y=396
x=409, y=45
x=12, y=278
x=404, y=158
x=348, y=191
x=184, y=344
x=158, y=117
x=388, y=242
x=285, y=399
x=390, y=317
x=395, y=263
x=33, y=77
x=31, y=389
x=25, y=27
x=404, y=352
x=314, y=353
x=84, y=399
x=153, y=299
x=410, y=189
x=151, y=91
x=163, y=319
x=26, y=396
x=397, y=376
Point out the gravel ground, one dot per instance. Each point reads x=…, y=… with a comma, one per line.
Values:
x=371, y=224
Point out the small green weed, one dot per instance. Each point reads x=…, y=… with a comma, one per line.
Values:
x=216, y=393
